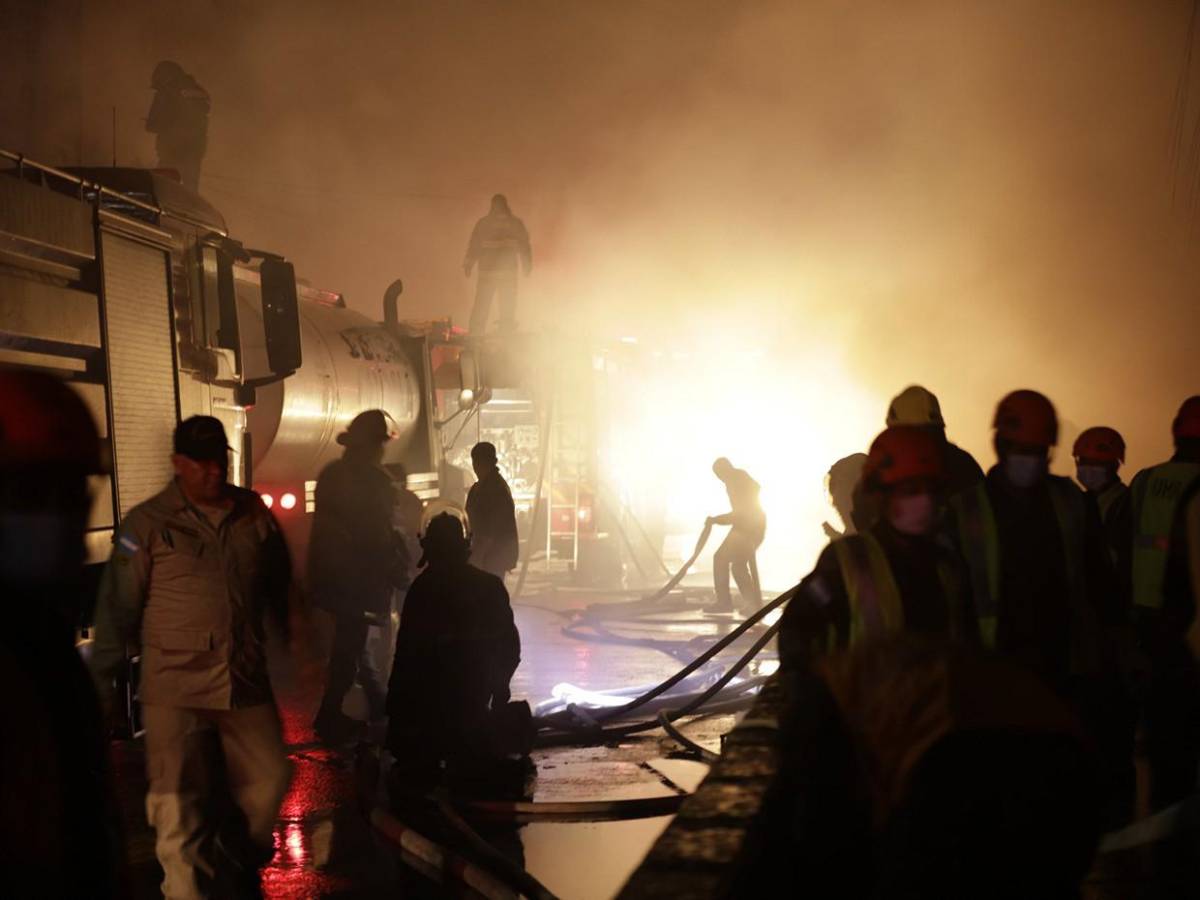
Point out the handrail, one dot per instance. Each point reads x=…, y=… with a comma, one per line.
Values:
x=22, y=161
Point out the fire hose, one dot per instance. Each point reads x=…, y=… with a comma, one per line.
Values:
x=704, y=657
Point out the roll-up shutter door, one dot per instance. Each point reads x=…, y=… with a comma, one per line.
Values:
x=141, y=366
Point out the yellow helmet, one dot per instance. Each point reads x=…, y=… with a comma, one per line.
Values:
x=915, y=406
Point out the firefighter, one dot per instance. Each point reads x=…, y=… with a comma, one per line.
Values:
x=893, y=576
x=919, y=407
x=356, y=561
x=178, y=119
x=58, y=822
x=499, y=242
x=842, y=483
x=492, y=516
x=1170, y=715
x=1042, y=582
x=195, y=571
x=1099, y=453
x=456, y=652
x=748, y=527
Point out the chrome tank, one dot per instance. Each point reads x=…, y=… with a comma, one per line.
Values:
x=350, y=364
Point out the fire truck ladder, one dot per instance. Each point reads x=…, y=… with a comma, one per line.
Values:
x=563, y=481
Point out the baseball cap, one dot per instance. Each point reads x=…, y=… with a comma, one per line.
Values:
x=201, y=438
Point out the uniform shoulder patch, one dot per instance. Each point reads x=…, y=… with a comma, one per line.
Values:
x=128, y=545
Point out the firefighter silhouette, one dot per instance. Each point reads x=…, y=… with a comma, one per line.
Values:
x=178, y=119
x=498, y=244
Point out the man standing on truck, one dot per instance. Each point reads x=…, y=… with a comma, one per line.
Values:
x=178, y=119
x=498, y=242
x=194, y=572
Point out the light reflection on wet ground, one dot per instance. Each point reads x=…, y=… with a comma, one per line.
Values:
x=324, y=847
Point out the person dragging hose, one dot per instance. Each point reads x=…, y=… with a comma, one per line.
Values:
x=748, y=526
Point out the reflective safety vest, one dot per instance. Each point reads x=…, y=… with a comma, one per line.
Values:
x=1155, y=494
x=1108, y=497
x=980, y=542
x=874, y=598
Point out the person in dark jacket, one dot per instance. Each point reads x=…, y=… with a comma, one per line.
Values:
x=456, y=652
x=178, y=119
x=59, y=834
x=499, y=242
x=1043, y=583
x=356, y=560
x=493, y=518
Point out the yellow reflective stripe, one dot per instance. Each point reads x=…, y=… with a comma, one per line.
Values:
x=1156, y=493
x=980, y=544
x=874, y=598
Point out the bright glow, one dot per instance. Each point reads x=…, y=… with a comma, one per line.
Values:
x=781, y=413
x=584, y=513
x=466, y=397
x=268, y=500
x=288, y=501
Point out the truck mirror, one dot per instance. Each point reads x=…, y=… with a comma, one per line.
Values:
x=280, y=315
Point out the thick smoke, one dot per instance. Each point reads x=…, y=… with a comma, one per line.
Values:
x=971, y=196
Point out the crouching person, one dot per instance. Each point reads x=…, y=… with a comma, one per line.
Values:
x=456, y=650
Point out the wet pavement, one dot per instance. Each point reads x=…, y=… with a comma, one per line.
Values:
x=325, y=846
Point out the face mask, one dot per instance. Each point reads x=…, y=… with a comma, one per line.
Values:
x=1094, y=478
x=912, y=515
x=38, y=547
x=1024, y=470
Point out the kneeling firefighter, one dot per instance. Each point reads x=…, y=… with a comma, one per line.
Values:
x=456, y=651
x=893, y=576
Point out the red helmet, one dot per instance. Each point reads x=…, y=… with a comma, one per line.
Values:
x=42, y=421
x=1187, y=420
x=901, y=453
x=1102, y=444
x=1027, y=417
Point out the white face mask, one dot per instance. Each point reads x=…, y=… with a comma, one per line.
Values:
x=1024, y=470
x=913, y=515
x=38, y=547
x=1094, y=478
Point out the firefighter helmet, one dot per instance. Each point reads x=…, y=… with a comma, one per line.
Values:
x=44, y=422
x=1187, y=420
x=1101, y=444
x=1027, y=417
x=915, y=406
x=902, y=453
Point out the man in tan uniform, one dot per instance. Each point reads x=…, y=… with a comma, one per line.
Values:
x=193, y=571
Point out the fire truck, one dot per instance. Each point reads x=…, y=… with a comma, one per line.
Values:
x=134, y=290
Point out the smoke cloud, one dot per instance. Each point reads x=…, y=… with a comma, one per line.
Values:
x=972, y=196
